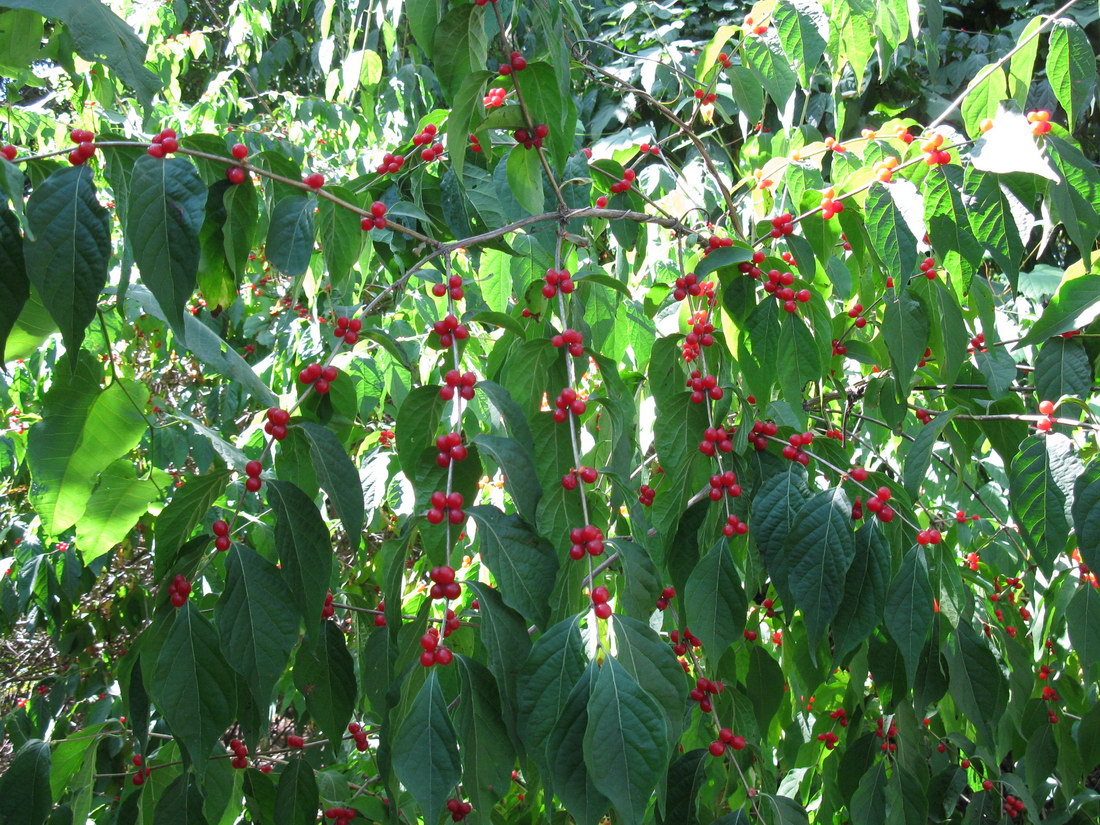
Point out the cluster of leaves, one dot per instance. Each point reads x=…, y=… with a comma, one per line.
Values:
x=700, y=439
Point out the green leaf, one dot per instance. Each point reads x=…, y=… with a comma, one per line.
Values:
x=1075, y=305
x=801, y=362
x=714, y=601
x=82, y=431
x=624, y=744
x=425, y=750
x=999, y=368
x=774, y=510
x=302, y=542
x=67, y=260
x=525, y=178
x=721, y=258
x=1021, y=68
x=910, y=615
x=992, y=222
x=118, y=501
x=1076, y=197
x=983, y=98
x=337, y=476
x=820, y=549
x=423, y=16
x=466, y=105
x=1086, y=514
x=1062, y=368
x=548, y=105
x=892, y=239
x=189, y=686
x=919, y=457
x=325, y=674
x=855, y=21
x=256, y=631
x=417, y=421
x=553, y=666
x=977, y=684
x=25, y=797
x=905, y=330
x=239, y=230
x=1040, y=483
x=868, y=805
x=296, y=799
x=650, y=660
x=15, y=287
x=515, y=463
x=290, y=235
x=1071, y=68
x=864, y=597
x=1083, y=621
x=167, y=206
x=803, y=28
x=189, y=505
x=460, y=46
x=948, y=224
x=572, y=781
x=341, y=234
x=687, y=776
x=506, y=643
x=181, y=803
x=770, y=67
x=523, y=564
x=487, y=752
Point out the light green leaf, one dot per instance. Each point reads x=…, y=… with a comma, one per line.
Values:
x=1010, y=147
x=189, y=505
x=1076, y=304
x=983, y=98
x=118, y=501
x=525, y=178
x=460, y=46
x=803, y=28
x=905, y=330
x=992, y=223
x=1041, y=482
x=1083, y=621
x=891, y=237
x=1071, y=68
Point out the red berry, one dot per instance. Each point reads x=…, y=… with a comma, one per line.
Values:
x=314, y=181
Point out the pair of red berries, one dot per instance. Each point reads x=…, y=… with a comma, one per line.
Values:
x=587, y=539
x=320, y=377
x=85, y=146
x=277, y=419
x=463, y=382
x=446, y=506
x=347, y=329
x=179, y=590
x=221, y=535
x=328, y=611
x=453, y=286
x=376, y=219
x=164, y=144
x=704, y=97
x=600, y=597
x=252, y=470
x=237, y=174
x=586, y=474
x=516, y=63
x=457, y=808
x=667, y=595
x=450, y=448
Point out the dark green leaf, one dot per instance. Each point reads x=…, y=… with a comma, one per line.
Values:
x=919, y=457
x=774, y=510
x=686, y=778
x=189, y=505
x=649, y=659
x=487, y=753
x=714, y=601
x=25, y=797
x=905, y=330
x=1076, y=197
x=869, y=802
x=1063, y=368
x=1083, y=620
x=67, y=260
x=181, y=803
x=340, y=233
x=520, y=479
x=1071, y=67
x=524, y=564
x=302, y=541
x=238, y=233
x=977, y=684
x=553, y=666
x=948, y=225
x=1040, y=482
x=15, y=287
x=337, y=476
x=296, y=799
x=325, y=674
x=425, y=751
x=417, y=420
x=290, y=235
x=1086, y=514
x=864, y=598
x=992, y=222
x=565, y=755
x=910, y=615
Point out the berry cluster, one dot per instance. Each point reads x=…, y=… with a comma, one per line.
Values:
x=1040, y=122
x=450, y=330
x=320, y=377
x=1013, y=806
x=163, y=144
x=425, y=138
x=928, y=267
x=221, y=535
x=646, y=495
x=444, y=585
x=841, y=716
x=572, y=339
x=625, y=184
x=714, y=439
x=752, y=29
x=705, y=98
x=829, y=738
x=452, y=287
x=829, y=205
x=240, y=754
x=277, y=420
x=376, y=219
x=782, y=225
x=856, y=313
x=702, y=386
x=557, y=279
x=328, y=611
x=778, y=284
x=359, y=735
x=450, y=448
x=464, y=382
x=457, y=808
x=726, y=737
x=434, y=653
x=929, y=536
x=933, y=154
x=252, y=470
x=680, y=642
x=977, y=343
x=587, y=539
x=600, y=607
x=391, y=164
x=714, y=242
x=8, y=152
x=475, y=144
x=884, y=169
x=733, y=526
x=887, y=734
x=877, y=504
x=85, y=146
x=531, y=140
x=568, y=402
x=702, y=330
x=495, y=97
x=340, y=816
x=835, y=145
x=647, y=148
x=1045, y=408
x=446, y=506
x=723, y=484
x=704, y=689
x=667, y=595
x=348, y=329
x=839, y=348
x=179, y=590
x=516, y=63
x=724, y=60
x=793, y=450
x=902, y=134
x=236, y=174
x=142, y=772
x=758, y=437
x=586, y=474
x=924, y=416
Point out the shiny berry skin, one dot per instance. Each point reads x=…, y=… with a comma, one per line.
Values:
x=314, y=181
x=235, y=175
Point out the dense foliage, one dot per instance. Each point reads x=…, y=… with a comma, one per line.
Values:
x=541, y=412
